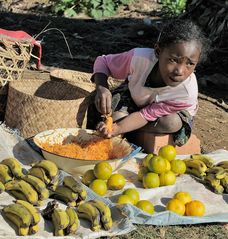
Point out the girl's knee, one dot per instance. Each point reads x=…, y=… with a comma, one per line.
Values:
x=170, y=123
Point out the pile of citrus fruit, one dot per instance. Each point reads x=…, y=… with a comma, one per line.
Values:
x=102, y=178
x=183, y=204
x=161, y=170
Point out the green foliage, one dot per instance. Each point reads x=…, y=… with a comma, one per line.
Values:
x=173, y=8
x=94, y=8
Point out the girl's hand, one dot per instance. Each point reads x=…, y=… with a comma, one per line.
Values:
x=102, y=129
x=103, y=100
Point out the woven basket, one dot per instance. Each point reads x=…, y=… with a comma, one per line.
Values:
x=36, y=105
x=14, y=57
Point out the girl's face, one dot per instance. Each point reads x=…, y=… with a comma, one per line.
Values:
x=177, y=62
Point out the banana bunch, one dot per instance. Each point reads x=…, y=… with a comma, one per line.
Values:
x=97, y=212
x=2, y=187
x=24, y=216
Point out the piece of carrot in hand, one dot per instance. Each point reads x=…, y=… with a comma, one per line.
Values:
x=109, y=123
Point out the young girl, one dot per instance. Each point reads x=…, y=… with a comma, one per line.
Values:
x=160, y=92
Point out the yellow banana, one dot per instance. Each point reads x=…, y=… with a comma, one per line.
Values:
x=219, y=172
x=2, y=187
x=73, y=221
x=25, y=188
x=195, y=172
x=54, y=184
x=75, y=186
x=204, y=158
x=105, y=212
x=22, y=215
x=37, y=183
x=40, y=173
x=5, y=174
x=223, y=164
x=212, y=181
x=23, y=231
x=60, y=219
x=91, y=213
x=224, y=183
x=33, y=229
x=14, y=166
x=50, y=168
x=34, y=212
x=59, y=232
x=196, y=164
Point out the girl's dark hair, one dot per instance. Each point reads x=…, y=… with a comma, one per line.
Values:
x=180, y=30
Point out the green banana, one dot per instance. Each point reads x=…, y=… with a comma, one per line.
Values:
x=105, y=212
x=204, y=158
x=223, y=164
x=195, y=172
x=23, y=217
x=224, y=183
x=33, y=229
x=48, y=210
x=5, y=174
x=212, y=181
x=50, y=168
x=39, y=173
x=34, y=212
x=219, y=172
x=2, y=187
x=14, y=166
x=25, y=188
x=196, y=164
x=75, y=186
x=73, y=221
x=60, y=219
x=91, y=213
x=54, y=184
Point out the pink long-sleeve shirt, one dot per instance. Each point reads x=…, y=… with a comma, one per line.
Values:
x=136, y=65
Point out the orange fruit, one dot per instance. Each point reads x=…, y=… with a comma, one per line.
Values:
x=142, y=171
x=147, y=159
x=146, y=206
x=167, y=178
x=99, y=187
x=88, y=177
x=123, y=199
x=175, y=205
x=133, y=194
x=183, y=196
x=116, y=182
x=157, y=164
x=103, y=170
x=178, y=166
x=151, y=180
x=168, y=152
x=195, y=208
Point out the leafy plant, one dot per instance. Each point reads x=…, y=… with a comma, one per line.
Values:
x=94, y=8
x=173, y=8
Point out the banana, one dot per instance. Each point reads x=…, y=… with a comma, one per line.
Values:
x=34, y=212
x=48, y=210
x=23, y=231
x=211, y=180
x=195, y=172
x=60, y=219
x=59, y=232
x=73, y=221
x=196, y=164
x=25, y=188
x=2, y=187
x=39, y=173
x=91, y=213
x=64, y=194
x=54, y=184
x=23, y=217
x=14, y=166
x=105, y=212
x=33, y=229
x=223, y=164
x=50, y=168
x=5, y=175
x=75, y=186
x=219, y=172
x=204, y=158
x=224, y=183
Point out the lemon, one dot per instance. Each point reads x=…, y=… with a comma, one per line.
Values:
x=151, y=180
x=124, y=199
x=183, y=196
x=146, y=159
x=167, y=178
x=103, y=170
x=195, y=208
x=142, y=171
x=146, y=206
x=88, y=177
x=176, y=206
x=168, y=152
x=157, y=164
x=116, y=182
x=133, y=194
x=168, y=165
x=178, y=166
x=99, y=187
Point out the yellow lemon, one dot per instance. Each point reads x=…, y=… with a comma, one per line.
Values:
x=124, y=199
x=168, y=152
x=146, y=206
x=167, y=178
x=183, y=196
x=133, y=194
x=151, y=180
x=116, y=182
x=88, y=177
x=176, y=206
x=168, y=165
x=178, y=166
x=142, y=171
x=103, y=170
x=195, y=208
x=146, y=159
x=99, y=187
x=157, y=164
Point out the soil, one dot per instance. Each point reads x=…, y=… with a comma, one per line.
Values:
x=74, y=43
